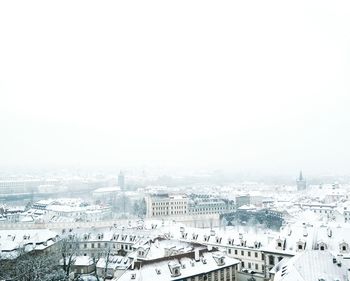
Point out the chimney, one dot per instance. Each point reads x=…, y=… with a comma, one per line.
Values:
x=305, y=232
x=329, y=232
x=196, y=254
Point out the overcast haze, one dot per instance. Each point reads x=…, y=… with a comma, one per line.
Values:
x=255, y=85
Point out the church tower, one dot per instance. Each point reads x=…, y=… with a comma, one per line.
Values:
x=301, y=182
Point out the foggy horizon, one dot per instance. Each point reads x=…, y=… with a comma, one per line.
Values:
x=232, y=86
x=174, y=140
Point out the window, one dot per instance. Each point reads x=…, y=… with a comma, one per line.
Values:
x=236, y=252
x=256, y=266
x=92, y=245
x=248, y=254
x=222, y=275
x=229, y=251
x=256, y=254
x=242, y=263
x=242, y=253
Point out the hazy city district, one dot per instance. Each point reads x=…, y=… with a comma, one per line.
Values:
x=121, y=227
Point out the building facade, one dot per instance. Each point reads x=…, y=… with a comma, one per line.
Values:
x=161, y=205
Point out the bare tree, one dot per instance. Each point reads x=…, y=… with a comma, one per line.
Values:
x=33, y=266
x=106, y=256
x=103, y=255
x=69, y=249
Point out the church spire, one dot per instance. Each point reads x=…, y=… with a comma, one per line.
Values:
x=301, y=176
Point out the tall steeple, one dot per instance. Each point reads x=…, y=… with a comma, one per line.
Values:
x=301, y=175
x=121, y=180
x=301, y=182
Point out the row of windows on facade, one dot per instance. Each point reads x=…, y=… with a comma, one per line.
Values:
x=167, y=208
x=203, y=212
x=248, y=254
x=253, y=266
x=100, y=236
x=168, y=213
x=324, y=211
x=224, y=274
x=168, y=203
x=218, y=240
x=207, y=209
x=103, y=245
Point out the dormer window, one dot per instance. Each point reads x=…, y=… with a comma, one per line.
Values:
x=344, y=247
x=220, y=259
x=322, y=246
x=280, y=244
x=174, y=269
x=301, y=245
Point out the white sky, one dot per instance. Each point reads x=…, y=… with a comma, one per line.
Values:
x=255, y=85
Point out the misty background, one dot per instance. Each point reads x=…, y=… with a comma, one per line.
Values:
x=176, y=85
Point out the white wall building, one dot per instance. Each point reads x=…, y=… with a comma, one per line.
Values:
x=162, y=205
